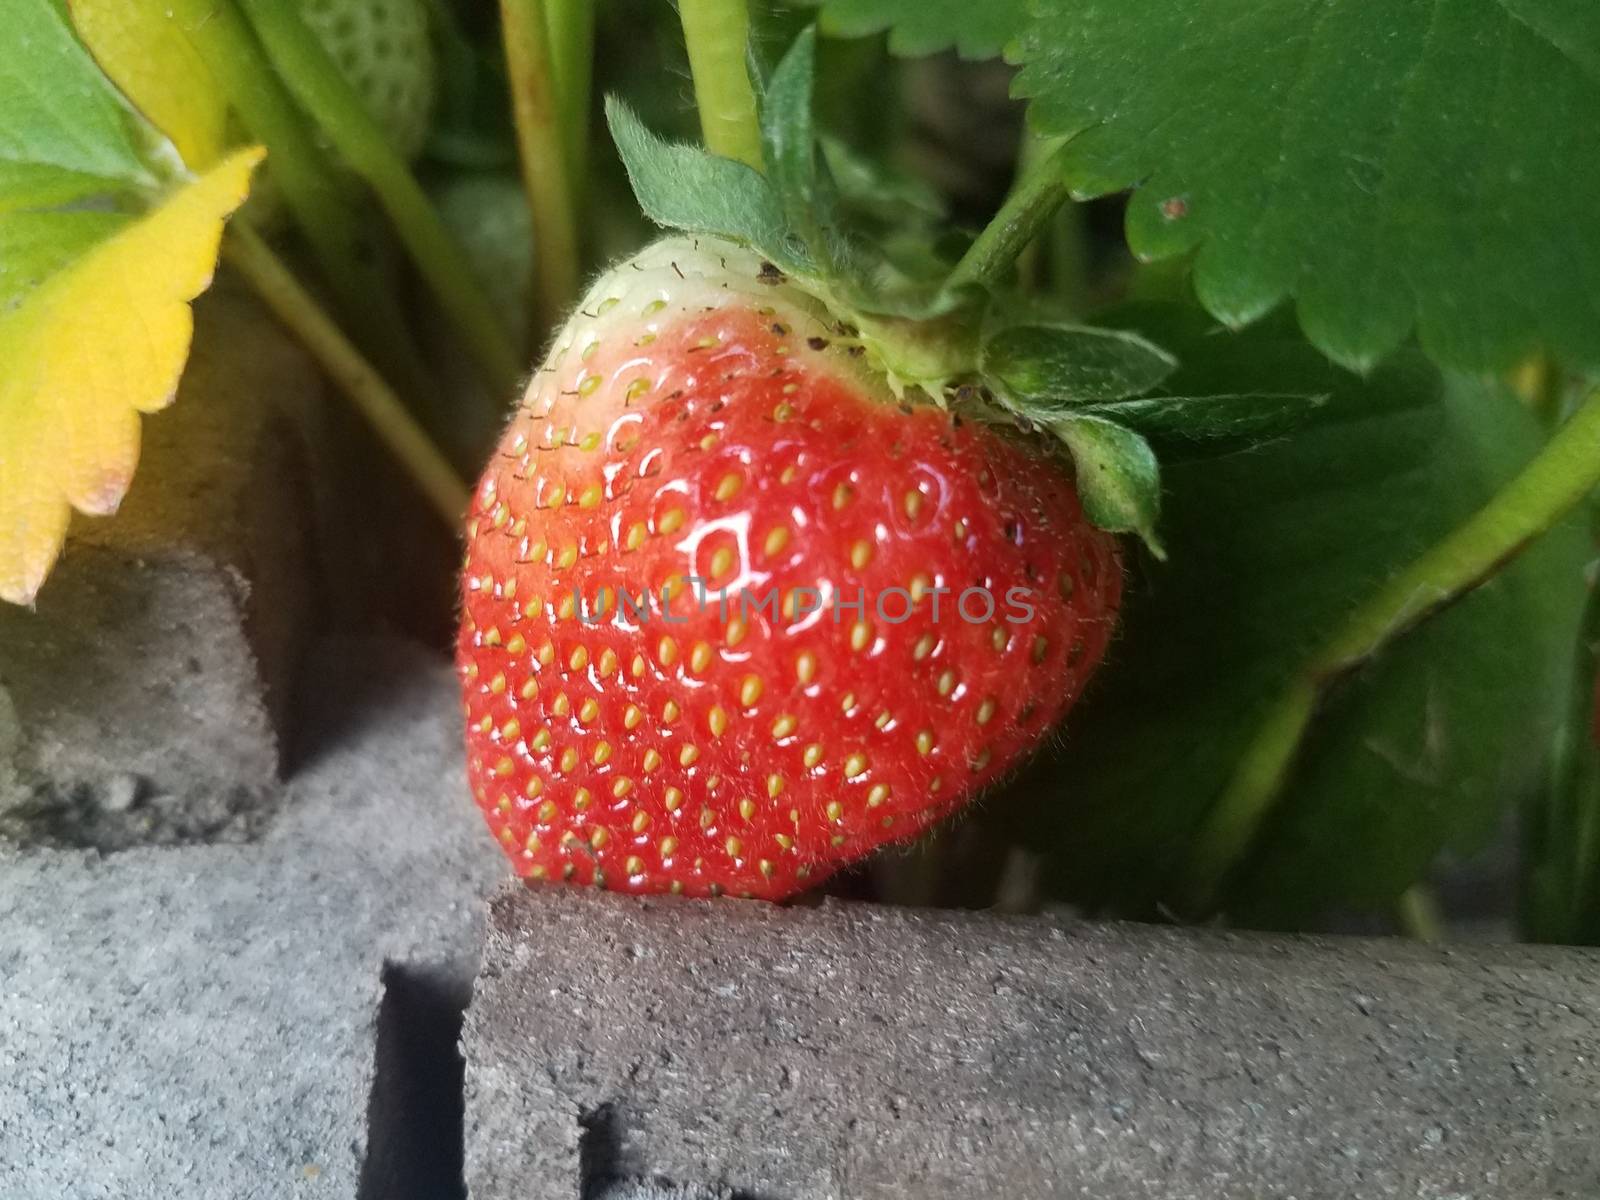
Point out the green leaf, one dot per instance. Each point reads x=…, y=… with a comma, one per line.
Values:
x=1182, y=426
x=683, y=187
x=974, y=28
x=64, y=131
x=1424, y=748
x=148, y=55
x=85, y=351
x=1048, y=368
x=789, y=141
x=1118, y=479
x=898, y=240
x=1432, y=167
x=35, y=245
x=878, y=190
x=25, y=185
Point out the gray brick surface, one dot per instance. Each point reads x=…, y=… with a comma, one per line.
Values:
x=200, y=1021
x=161, y=656
x=872, y=1053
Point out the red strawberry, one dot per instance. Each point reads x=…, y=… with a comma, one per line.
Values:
x=698, y=417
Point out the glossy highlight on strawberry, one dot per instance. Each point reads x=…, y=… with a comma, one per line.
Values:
x=734, y=615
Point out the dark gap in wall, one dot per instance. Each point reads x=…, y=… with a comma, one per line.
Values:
x=417, y=1108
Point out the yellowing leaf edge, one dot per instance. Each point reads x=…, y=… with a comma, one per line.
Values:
x=103, y=340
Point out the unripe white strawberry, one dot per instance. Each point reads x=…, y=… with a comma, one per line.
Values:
x=384, y=49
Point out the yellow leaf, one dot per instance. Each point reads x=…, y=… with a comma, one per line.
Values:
x=99, y=342
x=148, y=55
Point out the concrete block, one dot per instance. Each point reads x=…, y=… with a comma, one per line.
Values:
x=871, y=1053
x=148, y=691
x=214, y=1021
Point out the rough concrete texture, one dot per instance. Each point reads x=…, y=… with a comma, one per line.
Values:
x=649, y=1189
x=199, y=1021
x=860, y=1052
x=148, y=690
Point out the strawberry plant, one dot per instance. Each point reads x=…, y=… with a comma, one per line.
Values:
x=1197, y=507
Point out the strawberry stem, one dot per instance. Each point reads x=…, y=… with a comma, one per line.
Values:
x=1417, y=914
x=571, y=28
x=316, y=81
x=1057, y=260
x=1561, y=857
x=319, y=207
x=1558, y=478
x=544, y=139
x=352, y=374
x=718, y=35
x=1026, y=213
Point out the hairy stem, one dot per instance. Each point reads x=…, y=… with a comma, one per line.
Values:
x=718, y=36
x=1564, y=471
x=293, y=305
x=319, y=85
x=1028, y=210
x=319, y=207
x=543, y=151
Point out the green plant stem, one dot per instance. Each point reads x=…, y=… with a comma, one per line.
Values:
x=1027, y=211
x=319, y=207
x=542, y=149
x=571, y=35
x=1057, y=258
x=718, y=36
x=1564, y=471
x=1417, y=913
x=1066, y=253
x=293, y=305
x=1561, y=860
x=316, y=81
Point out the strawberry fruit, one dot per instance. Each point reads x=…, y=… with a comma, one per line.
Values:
x=735, y=614
x=386, y=52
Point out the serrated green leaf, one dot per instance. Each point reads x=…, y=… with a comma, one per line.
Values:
x=1270, y=550
x=1184, y=426
x=1118, y=479
x=1046, y=369
x=683, y=187
x=974, y=28
x=1428, y=168
x=64, y=132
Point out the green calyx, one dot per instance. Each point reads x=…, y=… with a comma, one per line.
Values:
x=945, y=329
